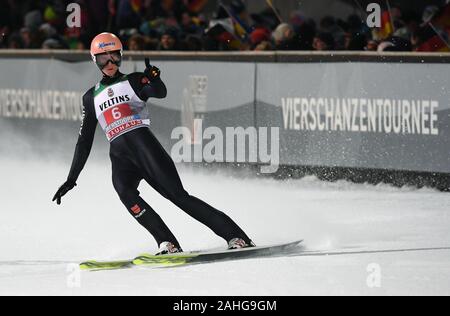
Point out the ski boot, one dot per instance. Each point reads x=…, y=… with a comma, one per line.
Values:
x=168, y=248
x=239, y=243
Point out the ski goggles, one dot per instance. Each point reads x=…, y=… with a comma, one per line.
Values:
x=102, y=60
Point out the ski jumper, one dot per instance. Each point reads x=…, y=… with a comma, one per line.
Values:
x=119, y=105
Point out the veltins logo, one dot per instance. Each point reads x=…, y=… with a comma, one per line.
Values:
x=104, y=45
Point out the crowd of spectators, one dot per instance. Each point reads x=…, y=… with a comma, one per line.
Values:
x=182, y=25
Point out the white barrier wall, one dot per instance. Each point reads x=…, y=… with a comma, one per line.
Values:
x=333, y=114
x=365, y=115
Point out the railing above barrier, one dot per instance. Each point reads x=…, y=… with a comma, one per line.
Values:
x=260, y=57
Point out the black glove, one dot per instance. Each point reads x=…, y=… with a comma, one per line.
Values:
x=151, y=72
x=66, y=187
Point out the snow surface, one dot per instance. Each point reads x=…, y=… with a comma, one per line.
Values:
x=41, y=242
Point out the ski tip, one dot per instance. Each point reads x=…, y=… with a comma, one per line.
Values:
x=96, y=265
x=88, y=265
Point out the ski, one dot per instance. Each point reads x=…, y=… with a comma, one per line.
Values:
x=213, y=256
x=194, y=257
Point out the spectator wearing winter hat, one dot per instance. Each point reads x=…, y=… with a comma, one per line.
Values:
x=284, y=37
x=260, y=34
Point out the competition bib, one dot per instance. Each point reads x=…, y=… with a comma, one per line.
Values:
x=118, y=109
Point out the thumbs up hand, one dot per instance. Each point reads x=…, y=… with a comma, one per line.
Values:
x=151, y=72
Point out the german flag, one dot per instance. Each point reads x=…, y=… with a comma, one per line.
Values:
x=241, y=29
x=387, y=29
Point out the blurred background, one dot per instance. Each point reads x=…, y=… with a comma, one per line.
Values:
x=236, y=25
